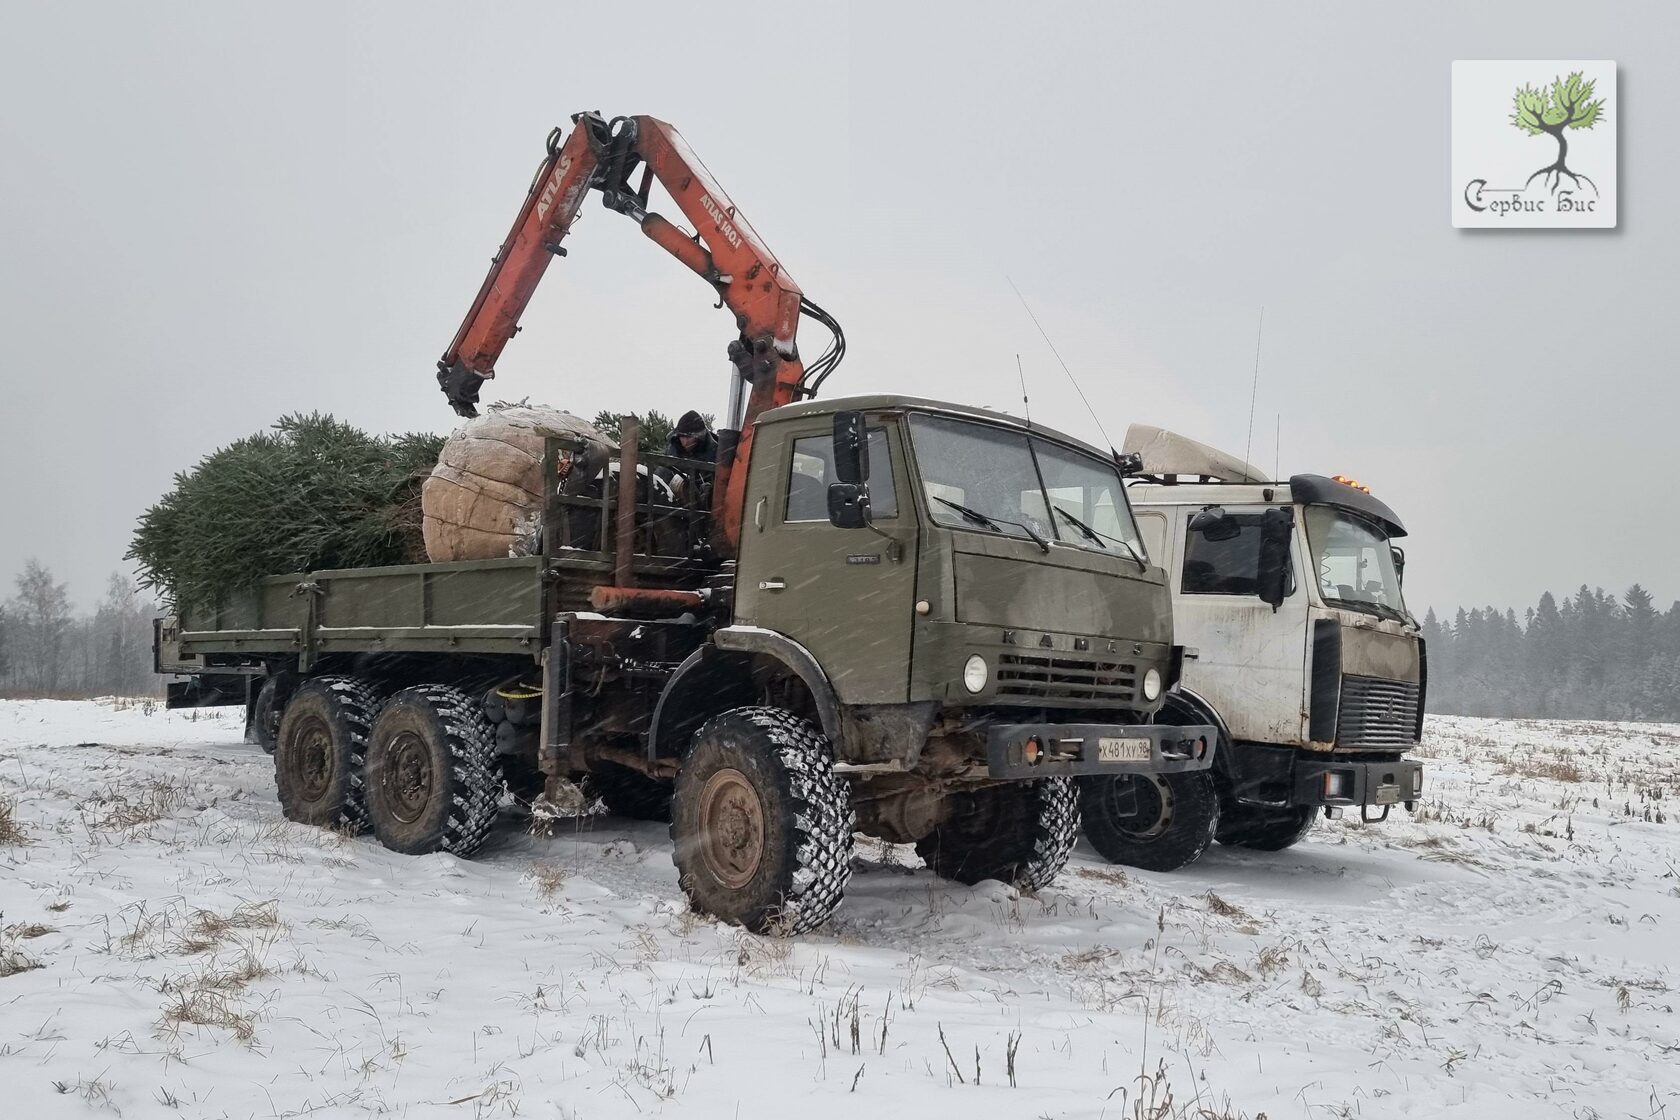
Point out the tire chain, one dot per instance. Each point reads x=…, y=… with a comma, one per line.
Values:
x=472, y=754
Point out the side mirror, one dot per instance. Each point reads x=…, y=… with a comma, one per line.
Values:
x=1277, y=531
x=1399, y=555
x=851, y=448
x=848, y=505
x=1215, y=524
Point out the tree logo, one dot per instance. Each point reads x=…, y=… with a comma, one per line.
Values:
x=1509, y=115
x=1568, y=104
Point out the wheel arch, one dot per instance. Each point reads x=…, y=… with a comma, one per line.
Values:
x=1184, y=706
x=727, y=673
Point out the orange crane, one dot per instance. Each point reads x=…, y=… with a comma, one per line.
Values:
x=726, y=252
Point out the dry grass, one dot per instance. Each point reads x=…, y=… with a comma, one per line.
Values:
x=116, y=809
x=177, y=930
x=26, y=931
x=206, y=995
x=14, y=961
x=1555, y=768
x=205, y=1007
x=11, y=831
x=1224, y=909
x=1087, y=958
x=548, y=878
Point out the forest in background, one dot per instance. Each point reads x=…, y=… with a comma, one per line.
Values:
x=47, y=649
x=1589, y=656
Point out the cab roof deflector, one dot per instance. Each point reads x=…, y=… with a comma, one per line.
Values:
x=1167, y=453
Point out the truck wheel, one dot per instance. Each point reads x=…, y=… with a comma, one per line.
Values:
x=627, y=793
x=1265, y=830
x=761, y=824
x=267, y=709
x=321, y=743
x=1159, y=822
x=433, y=784
x=1020, y=833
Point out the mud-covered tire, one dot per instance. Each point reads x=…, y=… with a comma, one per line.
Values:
x=433, y=779
x=626, y=793
x=1157, y=822
x=1020, y=833
x=761, y=825
x=320, y=751
x=1264, y=830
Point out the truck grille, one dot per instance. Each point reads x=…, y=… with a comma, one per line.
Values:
x=1027, y=677
x=1377, y=713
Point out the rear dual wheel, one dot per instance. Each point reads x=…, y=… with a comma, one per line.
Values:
x=433, y=781
x=321, y=742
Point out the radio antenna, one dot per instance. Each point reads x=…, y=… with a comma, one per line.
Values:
x=1026, y=404
x=1277, y=449
x=1064, y=366
x=1254, y=387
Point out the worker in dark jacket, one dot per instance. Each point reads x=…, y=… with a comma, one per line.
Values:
x=692, y=439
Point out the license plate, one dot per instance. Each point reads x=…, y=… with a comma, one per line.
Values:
x=1388, y=795
x=1123, y=750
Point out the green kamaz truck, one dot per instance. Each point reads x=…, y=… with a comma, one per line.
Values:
x=918, y=654
x=911, y=619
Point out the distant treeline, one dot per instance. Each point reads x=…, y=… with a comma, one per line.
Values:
x=46, y=649
x=1592, y=657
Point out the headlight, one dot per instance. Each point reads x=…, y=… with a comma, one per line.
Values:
x=974, y=673
x=1151, y=684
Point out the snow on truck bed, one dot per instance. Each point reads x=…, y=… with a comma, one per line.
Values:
x=172, y=946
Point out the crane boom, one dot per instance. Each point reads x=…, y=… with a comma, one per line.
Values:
x=726, y=252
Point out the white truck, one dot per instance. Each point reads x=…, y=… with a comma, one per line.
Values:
x=1297, y=645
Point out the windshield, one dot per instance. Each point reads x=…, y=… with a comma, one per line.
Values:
x=1354, y=564
x=993, y=476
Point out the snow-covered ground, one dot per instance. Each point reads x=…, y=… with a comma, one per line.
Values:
x=172, y=946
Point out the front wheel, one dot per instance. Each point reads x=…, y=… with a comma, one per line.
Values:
x=761, y=825
x=1159, y=822
x=1264, y=830
x=1020, y=833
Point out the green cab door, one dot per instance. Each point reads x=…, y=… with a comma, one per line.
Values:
x=846, y=595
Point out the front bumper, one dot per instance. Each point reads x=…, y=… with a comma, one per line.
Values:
x=1332, y=781
x=1065, y=749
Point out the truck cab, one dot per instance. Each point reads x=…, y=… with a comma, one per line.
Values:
x=1298, y=643
x=999, y=570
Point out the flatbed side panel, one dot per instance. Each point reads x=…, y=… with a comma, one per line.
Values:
x=471, y=606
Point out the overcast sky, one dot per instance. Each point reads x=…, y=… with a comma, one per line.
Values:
x=215, y=214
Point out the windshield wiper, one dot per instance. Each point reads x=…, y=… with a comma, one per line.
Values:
x=1369, y=606
x=975, y=517
x=1090, y=534
x=1097, y=538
